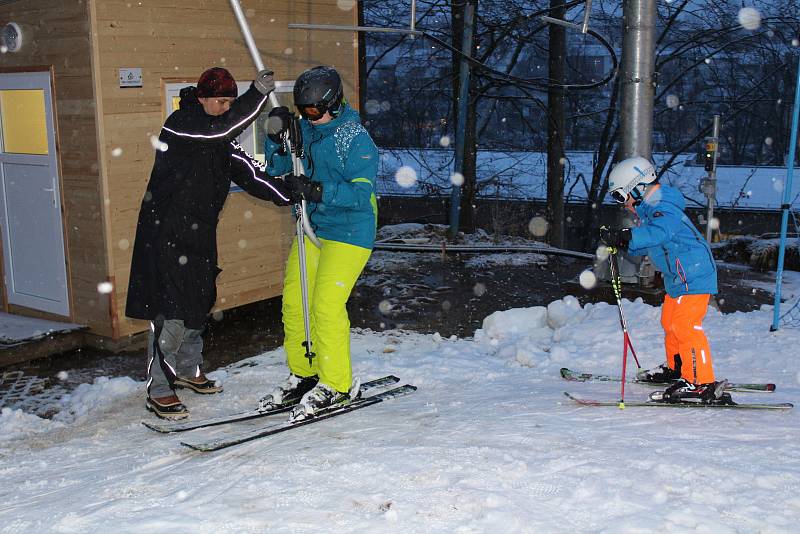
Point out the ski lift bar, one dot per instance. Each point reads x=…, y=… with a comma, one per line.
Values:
x=587, y=10
x=411, y=30
x=551, y=20
x=584, y=28
x=334, y=27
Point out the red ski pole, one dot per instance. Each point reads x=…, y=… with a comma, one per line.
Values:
x=616, y=285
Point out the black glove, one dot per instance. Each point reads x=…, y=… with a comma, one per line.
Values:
x=303, y=188
x=278, y=121
x=264, y=82
x=615, y=238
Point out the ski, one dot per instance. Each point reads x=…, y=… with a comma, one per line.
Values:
x=575, y=376
x=182, y=426
x=263, y=432
x=681, y=404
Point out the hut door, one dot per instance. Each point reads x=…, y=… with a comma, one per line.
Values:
x=30, y=199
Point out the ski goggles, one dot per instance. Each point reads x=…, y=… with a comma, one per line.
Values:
x=312, y=112
x=618, y=196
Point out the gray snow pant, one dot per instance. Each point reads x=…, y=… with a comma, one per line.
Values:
x=172, y=350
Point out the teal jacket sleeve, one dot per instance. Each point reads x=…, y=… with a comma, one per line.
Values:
x=277, y=164
x=360, y=174
x=661, y=228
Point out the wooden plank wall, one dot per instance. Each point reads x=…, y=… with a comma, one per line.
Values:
x=171, y=39
x=56, y=33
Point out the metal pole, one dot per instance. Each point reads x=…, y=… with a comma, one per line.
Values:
x=786, y=205
x=637, y=87
x=711, y=183
x=303, y=227
x=461, y=121
x=637, y=79
x=297, y=164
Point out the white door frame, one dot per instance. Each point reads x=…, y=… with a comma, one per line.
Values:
x=55, y=299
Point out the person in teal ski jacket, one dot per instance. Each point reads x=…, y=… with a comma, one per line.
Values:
x=340, y=161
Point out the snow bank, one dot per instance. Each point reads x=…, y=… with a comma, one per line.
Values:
x=103, y=394
x=487, y=443
x=15, y=423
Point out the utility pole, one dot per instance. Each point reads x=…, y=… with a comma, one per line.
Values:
x=461, y=113
x=556, y=127
x=637, y=84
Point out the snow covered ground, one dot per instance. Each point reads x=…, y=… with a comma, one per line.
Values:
x=487, y=444
x=523, y=174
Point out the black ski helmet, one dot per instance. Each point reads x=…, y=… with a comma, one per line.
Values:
x=320, y=87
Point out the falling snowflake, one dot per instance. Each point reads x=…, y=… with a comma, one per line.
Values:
x=749, y=18
x=672, y=101
x=158, y=144
x=587, y=279
x=406, y=176
x=457, y=179
x=104, y=288
x=538, y=226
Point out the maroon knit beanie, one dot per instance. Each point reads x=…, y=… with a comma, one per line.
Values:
x=216, y=81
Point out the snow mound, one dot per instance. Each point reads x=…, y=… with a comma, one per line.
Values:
x=14, y=423
x=103, y=393
x=561, y=312
x=512, y=323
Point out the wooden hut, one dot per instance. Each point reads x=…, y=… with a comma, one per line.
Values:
x=85, y=86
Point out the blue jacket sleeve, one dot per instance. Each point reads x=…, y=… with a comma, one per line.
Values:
x=360, y=173
x=663, y=223
x=277, y=164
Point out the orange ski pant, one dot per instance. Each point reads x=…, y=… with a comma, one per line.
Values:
x=682, y=320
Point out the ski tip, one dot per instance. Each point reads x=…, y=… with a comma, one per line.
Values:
x=153, y=426
x=196, y=447
x=770, y=387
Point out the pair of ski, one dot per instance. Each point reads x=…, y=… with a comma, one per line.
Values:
x=269, y=430
x=742, y=387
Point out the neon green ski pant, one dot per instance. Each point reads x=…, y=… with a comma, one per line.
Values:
x=332, y=272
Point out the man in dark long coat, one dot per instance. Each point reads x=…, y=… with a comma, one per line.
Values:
x=174, y=266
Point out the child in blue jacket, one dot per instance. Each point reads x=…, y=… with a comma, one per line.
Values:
x=679, y=251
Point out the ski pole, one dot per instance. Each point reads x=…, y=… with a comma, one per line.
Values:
x=303, y=227
x=616, y=284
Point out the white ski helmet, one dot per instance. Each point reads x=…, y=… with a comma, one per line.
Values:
x=629, y=176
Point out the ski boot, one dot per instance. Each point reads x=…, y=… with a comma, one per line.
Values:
x=663, y=373
x=170, y=407
x=683, y=390
x=200, y=384
x=289, y=392
x=323, y=397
